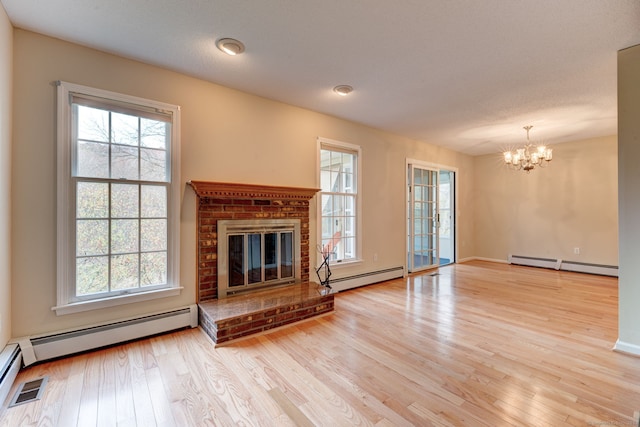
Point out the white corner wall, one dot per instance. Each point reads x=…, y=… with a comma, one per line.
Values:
x=629, y=199
x=6, y=68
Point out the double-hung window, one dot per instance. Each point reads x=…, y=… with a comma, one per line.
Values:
x=339, y=200
x=118, y=199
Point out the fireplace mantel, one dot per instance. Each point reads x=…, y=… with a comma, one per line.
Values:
x=226, y=190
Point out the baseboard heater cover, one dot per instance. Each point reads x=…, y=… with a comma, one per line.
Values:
x=582, y=267
x=36, y=349
x=559, y=264
x=357, y=280
x=10, y=363
x=532, y=261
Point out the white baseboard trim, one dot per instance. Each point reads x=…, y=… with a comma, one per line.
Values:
x=628, y=348
x=63, y=343
x=350, y=282
x=478, y=258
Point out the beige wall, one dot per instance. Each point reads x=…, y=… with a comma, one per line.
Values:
x=549, y=212
x=629, y=199
x=6, y=61
x=226, y=136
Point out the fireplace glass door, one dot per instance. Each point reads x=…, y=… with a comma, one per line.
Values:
x=261, y=257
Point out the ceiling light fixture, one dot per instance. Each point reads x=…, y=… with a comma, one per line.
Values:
x=343, y=90
x=230, y=46
x=528, y=157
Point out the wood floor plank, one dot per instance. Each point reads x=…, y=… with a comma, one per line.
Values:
x=479, y=344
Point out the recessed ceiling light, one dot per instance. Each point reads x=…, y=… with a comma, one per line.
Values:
x=230, y=46
x=343, y=90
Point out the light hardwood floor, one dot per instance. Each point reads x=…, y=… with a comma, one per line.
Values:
x=477, y=344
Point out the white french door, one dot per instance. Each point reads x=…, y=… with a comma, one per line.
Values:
x=427, y=199
x=422, y=240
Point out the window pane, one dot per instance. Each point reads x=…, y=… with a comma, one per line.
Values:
x=92, y=200
x=153, y=235
x=93, y=124
x=124, y=236
x=325, y=158
x=350, y=226
x=338, y=205
x=124, y=271
x=350, y=205
x=349, y=248
x=153, y=134
x=93, y=160
x=348, y=183
x=336, y=181
x=347, y=162
x=154, y=201
x=153, y=165
x=325, y=180
x=92, y=237
x=124, y=201
x=153, y=268
x=327, y=227
x=329, y=247
x=327, y=204
x=92, y=275
x=124, y=129
x=124, y=162
x=270, y=256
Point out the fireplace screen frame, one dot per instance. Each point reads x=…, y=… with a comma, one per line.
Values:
x=250, y=227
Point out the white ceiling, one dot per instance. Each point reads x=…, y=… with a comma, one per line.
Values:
x=466, y=74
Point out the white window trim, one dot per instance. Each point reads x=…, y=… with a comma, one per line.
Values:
x=65, y=220
x=329, y=143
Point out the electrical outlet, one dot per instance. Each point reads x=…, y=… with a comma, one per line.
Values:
x=576, y=251
x=375, y=257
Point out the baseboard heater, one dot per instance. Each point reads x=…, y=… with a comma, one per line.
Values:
x=10, y=363
x=558, y=264
x=349, y=282
x=36, y=349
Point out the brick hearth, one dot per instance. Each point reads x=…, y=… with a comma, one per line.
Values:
x=217, y=201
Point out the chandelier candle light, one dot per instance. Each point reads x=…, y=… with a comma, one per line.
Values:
x=528, y=157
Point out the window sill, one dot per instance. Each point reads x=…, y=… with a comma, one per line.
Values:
x=78, y=307
x=338, y=265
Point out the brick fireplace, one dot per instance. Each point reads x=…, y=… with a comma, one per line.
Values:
x=230, y=201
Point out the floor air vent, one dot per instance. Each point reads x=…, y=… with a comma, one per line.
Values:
x=29, y=391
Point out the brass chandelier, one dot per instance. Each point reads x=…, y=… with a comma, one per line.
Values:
x=528, y=157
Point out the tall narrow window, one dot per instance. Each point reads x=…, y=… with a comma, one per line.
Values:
x=339, y=210
x=117, y=212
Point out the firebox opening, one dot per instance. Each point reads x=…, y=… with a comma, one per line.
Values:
x=254, y=254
